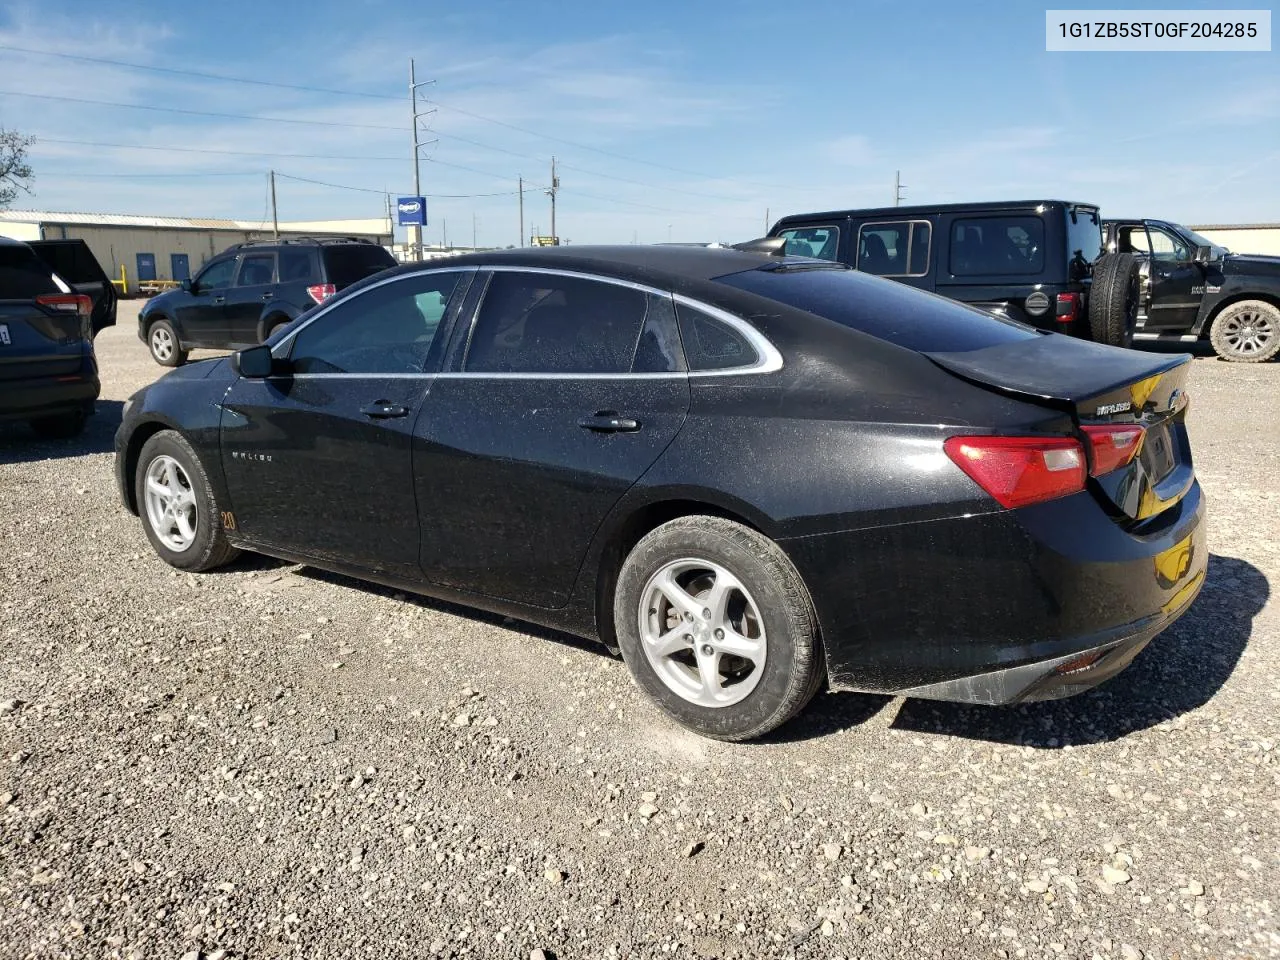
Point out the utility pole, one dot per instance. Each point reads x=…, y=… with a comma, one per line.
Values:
x=444, y=234
x=766, y=220
x=551, y=192
x=415, y=230
x=521, y=211
x=275, y=220
x=898, y=187
x=473, y=230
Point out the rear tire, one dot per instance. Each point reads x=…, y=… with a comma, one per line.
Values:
x=179, y=513
x=1113, y=299
x=64, y=426
x=166, y=349
x=761, y=609
x=1246, y=332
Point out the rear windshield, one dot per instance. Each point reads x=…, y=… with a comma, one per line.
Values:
x=72, y=260
x=23, y=275
x=346, y=263
x=884, y=309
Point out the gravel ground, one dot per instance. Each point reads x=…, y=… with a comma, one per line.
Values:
x=272, y=761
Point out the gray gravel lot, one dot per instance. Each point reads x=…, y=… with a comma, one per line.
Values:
x=272, y=761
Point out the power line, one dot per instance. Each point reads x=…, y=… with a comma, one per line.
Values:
x=376, y=96
x=196, y=113
x=147, y=176
x=430, y=196
x=229, y=153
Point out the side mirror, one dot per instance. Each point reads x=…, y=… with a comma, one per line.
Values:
x=1203, y=254
x=187, y=285
x=255, y=363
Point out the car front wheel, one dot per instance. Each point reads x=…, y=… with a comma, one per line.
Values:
x=1246, y=332
x=717, y=628
x=166, y=349
x=177, y=506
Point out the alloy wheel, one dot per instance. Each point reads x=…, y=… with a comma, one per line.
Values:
x=702, y=632
x=171, y=503
x=161, y=343
x=1248, y=333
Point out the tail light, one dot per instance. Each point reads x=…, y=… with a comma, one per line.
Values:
x=1068, y=308
x=76, y=303
x=1113, y=447
x=1018, y=471
x=320, y=292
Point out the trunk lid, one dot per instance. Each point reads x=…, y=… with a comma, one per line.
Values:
x=38, y=343
x=1101, y=385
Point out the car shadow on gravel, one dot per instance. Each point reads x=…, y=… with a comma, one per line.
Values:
x=20, y=444
x=1178, y=671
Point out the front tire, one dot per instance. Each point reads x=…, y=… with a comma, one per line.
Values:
x=166, y=349
x=717, y=628
x=177, y=506
x=1246, y=332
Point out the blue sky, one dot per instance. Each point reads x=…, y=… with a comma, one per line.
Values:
x=684, y=120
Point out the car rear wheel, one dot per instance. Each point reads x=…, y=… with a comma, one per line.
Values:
x=1246, y=332
x=717, y=628
x=176, y=503
x=1113, y=299
x=166, y=349
x=64, y=426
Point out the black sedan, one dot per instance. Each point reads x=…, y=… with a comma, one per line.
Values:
x=754, y=475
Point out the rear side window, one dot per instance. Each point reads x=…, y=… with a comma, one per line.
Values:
x=997, y=246
x=893, y=312
x=23, y=275
x=1084, y=235
x=296, y=266
x=346, y=263
x=894, y=249
x=820, y=242
x=257, y=270
x=712, y=344
x=544, y=323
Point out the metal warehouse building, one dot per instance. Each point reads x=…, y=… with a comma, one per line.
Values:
x=1244, y=237
x=135, y=250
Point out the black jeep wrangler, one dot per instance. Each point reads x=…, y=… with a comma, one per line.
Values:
x=1194, y=289
x=1038, y=261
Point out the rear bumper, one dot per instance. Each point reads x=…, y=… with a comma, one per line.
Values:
x=47, y=396
x=1036, y=603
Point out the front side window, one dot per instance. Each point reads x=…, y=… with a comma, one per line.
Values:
x=997, y=246
x=390, y=328
x=545, y=323
x=1167, y=246
x=896, y=249
x=216, y=275
x=256, y=270
x=822, y=243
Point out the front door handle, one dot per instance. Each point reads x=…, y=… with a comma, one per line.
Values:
x=383, y=410
x=268, y=295
x=608, y=421
x=219, y=299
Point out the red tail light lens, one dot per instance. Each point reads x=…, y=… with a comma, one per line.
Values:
x=1017, y=471
x=67, y=303
x=1068, y=309
x=1113, y=447
x=321, y=292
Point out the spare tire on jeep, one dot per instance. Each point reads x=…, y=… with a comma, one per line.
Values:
x=1113, y=299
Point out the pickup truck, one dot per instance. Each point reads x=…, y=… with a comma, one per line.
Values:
x=1193, y=289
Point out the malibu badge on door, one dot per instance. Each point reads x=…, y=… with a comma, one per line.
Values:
x=4, y=334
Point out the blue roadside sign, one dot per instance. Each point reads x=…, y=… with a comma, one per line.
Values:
x=412, y=211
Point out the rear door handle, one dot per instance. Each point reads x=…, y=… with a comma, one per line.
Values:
x=382, y=410
x=608, y=421
x=219, y=299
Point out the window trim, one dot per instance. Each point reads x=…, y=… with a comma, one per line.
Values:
x=816, y=226
x=857, y=251
x=769, y=360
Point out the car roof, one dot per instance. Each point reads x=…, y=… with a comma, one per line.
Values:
x=639, y=262
x=900, y=212
x=10, y=242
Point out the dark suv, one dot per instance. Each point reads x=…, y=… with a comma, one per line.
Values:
x=1038, y=261
x=48, y=373
x=246, y=292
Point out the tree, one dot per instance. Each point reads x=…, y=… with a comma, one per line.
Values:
x=15, y=171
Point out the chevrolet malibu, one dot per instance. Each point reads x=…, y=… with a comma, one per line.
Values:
x=753, y=475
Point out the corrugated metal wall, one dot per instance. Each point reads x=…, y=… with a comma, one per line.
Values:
x=119, y=246
x=1264, y=240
